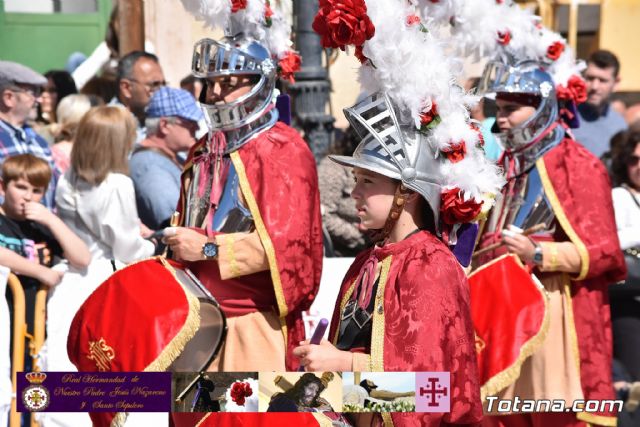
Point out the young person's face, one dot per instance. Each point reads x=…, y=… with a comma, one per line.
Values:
x=511, y=114
x=310, y=391
x=223, y=90
x=373, y=194
x=17, y=193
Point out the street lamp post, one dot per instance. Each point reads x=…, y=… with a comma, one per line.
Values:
x=310, y=92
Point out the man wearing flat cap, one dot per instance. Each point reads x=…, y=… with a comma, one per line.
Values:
x=171, y=121
x=20, y=89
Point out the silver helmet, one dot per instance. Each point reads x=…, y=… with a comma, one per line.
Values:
x=237, y=55
x=392, y=146
x=522, y=78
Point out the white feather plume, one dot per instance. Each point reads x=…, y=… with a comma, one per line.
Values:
x=416, y=68
x=217, y=13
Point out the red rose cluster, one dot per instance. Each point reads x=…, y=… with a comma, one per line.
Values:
x=289, y=65
x=239, y=392
x=343, y=22
x=555, y=50
x=455, y=210
x=237, y=5
x=576, y=90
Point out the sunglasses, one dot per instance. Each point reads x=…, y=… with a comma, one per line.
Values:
x=633, y=160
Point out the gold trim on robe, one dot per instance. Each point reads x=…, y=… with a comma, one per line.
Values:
x=378, y=321
x=264, y=238
x=562, y=219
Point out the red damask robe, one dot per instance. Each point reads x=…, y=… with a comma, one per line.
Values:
x=421, y=322
x=279, y=182
x=578, y=188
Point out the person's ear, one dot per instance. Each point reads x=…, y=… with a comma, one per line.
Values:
x=8, y=98
x=125, y=88
x=2, y=189
x=163, y=126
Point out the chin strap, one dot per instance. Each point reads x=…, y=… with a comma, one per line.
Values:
x=399, y=200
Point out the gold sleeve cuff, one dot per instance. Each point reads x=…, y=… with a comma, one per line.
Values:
x=240, y=254
x=361, y=362
x=560, y=256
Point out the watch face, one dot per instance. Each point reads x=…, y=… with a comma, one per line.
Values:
x=210, y=250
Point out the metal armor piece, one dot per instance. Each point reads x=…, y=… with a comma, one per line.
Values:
x=394, y=149
x=524, y=77
x=232, y=216
x=236, y=55
x=524, y=206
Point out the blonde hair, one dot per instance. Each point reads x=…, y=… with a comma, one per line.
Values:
x=70, y=111
x=27, y=166
x=102, y=144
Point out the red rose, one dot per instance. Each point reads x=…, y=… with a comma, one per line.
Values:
x=343, y=22
x=413, y=20
x=240, y=391
x=429, y=118
x=289, y=65
x=504, y=37
x=575, y=90
x=555, y=50
x=237, y=5
x=456, y=151
x=455, y=210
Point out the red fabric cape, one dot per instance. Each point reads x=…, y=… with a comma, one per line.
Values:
x=523, y=305
x=280, y=172
x=578, y=188
x=123, y=299
x=584, y=210
x=426, y=322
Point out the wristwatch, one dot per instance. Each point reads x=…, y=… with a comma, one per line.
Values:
x=537, y=255
x=210, y=250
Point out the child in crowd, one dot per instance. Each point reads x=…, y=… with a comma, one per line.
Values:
x=31, y=236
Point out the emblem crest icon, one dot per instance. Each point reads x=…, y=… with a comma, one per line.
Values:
x=36, y=397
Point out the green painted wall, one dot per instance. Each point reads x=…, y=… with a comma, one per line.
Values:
x=45, y=41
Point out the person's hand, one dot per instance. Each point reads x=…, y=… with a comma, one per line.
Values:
x=50, y=277
x=185, y=243
x=144, y=230
x=323, y=357
x=38, y=212
x=518, y=244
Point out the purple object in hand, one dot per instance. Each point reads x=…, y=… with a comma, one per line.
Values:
x=283, y=105
x=319, y=332
x=317, y=336
x=466, y=241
